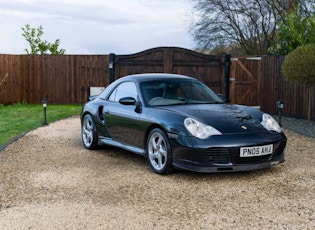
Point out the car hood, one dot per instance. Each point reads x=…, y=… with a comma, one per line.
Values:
x=226, y=118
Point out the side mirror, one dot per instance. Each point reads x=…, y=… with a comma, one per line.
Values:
x=221, y=96
x=127, y=101
x=91, y=98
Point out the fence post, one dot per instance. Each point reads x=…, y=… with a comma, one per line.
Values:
x=227, y=77
x=111, y=67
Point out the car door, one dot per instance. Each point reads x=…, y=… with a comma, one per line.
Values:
x=122, y=121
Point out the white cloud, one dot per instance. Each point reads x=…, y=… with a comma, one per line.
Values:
x=97, y=26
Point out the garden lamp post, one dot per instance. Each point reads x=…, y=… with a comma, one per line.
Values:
x=280, y=105
x=44, y=102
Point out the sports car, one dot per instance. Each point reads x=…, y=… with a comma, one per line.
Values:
x=177, y=122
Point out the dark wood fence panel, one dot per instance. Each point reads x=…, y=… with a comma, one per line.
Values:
x=209, y=69
x=245, y=81
x=59, y=78
x=10, y=65
x=149, y=61
x=274, y=87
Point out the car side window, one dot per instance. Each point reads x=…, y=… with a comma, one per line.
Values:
x=125, y=89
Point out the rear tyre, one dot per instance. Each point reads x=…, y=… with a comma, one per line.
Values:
x=89, y=134
x=159, y=152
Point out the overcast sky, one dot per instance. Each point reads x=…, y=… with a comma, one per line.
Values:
x=97, y=26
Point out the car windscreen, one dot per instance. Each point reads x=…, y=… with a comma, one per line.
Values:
x=179, y=91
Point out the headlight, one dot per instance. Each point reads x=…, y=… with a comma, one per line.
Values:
x=270, y=123
x=200, y=130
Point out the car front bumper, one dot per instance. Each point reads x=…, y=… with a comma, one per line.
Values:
x=222, y=153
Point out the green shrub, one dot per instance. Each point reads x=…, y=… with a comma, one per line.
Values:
x=299, y=67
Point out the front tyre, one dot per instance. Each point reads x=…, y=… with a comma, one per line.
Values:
x=159, y=152
x=89, y=134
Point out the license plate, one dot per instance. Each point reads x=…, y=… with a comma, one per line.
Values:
x=254, y=151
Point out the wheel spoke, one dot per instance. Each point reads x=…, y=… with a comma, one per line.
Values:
x=151, y=155
x=86, y=131
x=159, y=141
x=90, y=126
x=160, y=160
x=154, y=144
x=88, y=138
x=163, y=152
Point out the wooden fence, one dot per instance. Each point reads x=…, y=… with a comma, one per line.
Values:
x=259, y=81
x=60, y=79
x=273, y=87
x=68, y=78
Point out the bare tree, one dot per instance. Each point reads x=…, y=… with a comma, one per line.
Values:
x=252, y=24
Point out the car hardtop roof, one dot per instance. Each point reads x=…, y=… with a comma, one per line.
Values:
x=154, y=76
x=142, y=78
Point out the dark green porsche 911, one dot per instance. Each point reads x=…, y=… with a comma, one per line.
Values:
x=178, y=122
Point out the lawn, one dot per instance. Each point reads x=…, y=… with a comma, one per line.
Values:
x=22, y=117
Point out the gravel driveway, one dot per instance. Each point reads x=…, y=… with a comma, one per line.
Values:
x=49, y=181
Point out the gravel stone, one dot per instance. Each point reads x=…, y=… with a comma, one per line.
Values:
x=299, y=126
x=49, y=181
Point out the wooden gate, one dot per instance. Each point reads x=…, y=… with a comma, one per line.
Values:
x=209, y=69
x=245, y=81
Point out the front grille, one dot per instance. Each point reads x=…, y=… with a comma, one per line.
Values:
x=252, y=160
x=217, y=155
